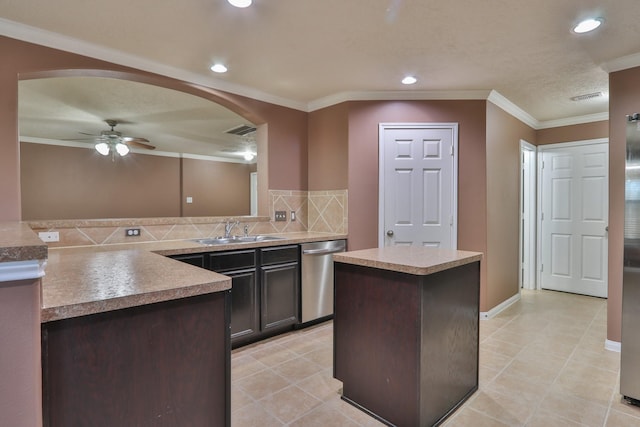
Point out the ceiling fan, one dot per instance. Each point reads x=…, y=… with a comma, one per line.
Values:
x=112, y=141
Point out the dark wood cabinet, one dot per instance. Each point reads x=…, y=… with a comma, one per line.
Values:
x=193, y=259
x=265, y=293
x=162, y=364
x=280, y=277
x=406, y=345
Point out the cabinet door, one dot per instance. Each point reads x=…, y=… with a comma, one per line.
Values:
x=244, y=304
x=279, y=296
x=193, y=259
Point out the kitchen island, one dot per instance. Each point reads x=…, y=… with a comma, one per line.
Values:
x=406, y=331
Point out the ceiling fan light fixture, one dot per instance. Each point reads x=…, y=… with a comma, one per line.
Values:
x=122, y=149
x=409, y=80
x=218, y=68
x=102, y=148
x=240, y=3
x=587, y=25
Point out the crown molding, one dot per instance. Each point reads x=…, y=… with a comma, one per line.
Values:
x=623, y=63
x=74, y=144
x=500, y=101
x=578, y=120
x=53, y=40
x=396, y=96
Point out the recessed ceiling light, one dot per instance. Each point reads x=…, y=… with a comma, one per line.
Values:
x=218, y=68
x=587, y=25
x=240, y=3
x=409, y=80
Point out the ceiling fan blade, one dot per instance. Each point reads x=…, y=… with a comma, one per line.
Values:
x=88, y=134
x=131, y=138
x=139, y=142
x=94, y=138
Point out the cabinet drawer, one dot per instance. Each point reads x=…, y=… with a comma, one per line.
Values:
x=279, y=255
x=235, y=260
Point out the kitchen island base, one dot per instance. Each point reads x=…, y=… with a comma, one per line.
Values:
x=162, y=364
x=406, y=345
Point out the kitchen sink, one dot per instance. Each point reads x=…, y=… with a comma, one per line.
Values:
x=236, y=239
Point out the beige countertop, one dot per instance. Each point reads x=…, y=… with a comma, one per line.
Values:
x=415, y=260
x=19, y=243
x=93, y=279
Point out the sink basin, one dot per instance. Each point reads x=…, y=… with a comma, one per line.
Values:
x=258, y=238
x=236, y=239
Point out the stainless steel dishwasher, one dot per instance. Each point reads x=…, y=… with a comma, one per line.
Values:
x=317, y=279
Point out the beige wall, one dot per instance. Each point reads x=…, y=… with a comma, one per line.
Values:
x=572, y=133
x=329, y=148
x=624, y=98
x=217, y=188
x=504, y=133
x=77, y=183
x=20, y=387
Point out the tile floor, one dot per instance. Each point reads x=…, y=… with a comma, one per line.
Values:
x=542, y=363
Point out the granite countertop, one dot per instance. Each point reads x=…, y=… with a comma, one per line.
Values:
x=19, y=243
x=79, y=283
x=415, y=260
x=93, y=279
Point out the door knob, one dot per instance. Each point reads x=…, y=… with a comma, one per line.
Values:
x=390, y=233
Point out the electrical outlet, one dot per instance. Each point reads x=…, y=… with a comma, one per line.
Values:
x=293, y=215
x=132, y=232
x=49, y=236
x=281, y=215
x=189, y=199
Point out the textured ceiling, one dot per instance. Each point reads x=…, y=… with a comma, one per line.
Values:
x=303, y=53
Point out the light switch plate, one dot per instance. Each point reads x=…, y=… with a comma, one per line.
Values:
x=49, y=236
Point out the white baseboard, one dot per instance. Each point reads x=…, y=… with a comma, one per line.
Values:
x=612, y=346
x=485, y=315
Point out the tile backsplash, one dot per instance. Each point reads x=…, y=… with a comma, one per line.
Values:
x=318, y=211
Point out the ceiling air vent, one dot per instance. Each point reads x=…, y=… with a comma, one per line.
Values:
x=587, y=96
x=241, y=130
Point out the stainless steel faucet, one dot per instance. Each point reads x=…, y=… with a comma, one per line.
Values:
x=228, y=226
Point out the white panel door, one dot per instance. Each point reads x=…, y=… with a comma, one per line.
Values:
x=418, y=185
x=574, y=218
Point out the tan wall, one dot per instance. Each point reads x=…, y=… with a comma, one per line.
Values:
x=572, y=133
x=329, y=148
x=287, y=139
x=364, y=117
x=217, y=188
x=75, y=183
x=624, y=98
x=504, y=133
x=20, y=387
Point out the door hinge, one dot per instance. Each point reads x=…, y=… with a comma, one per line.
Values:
x=450, y=221
x=541, y=268
x=541, y=216
x=542, y=165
